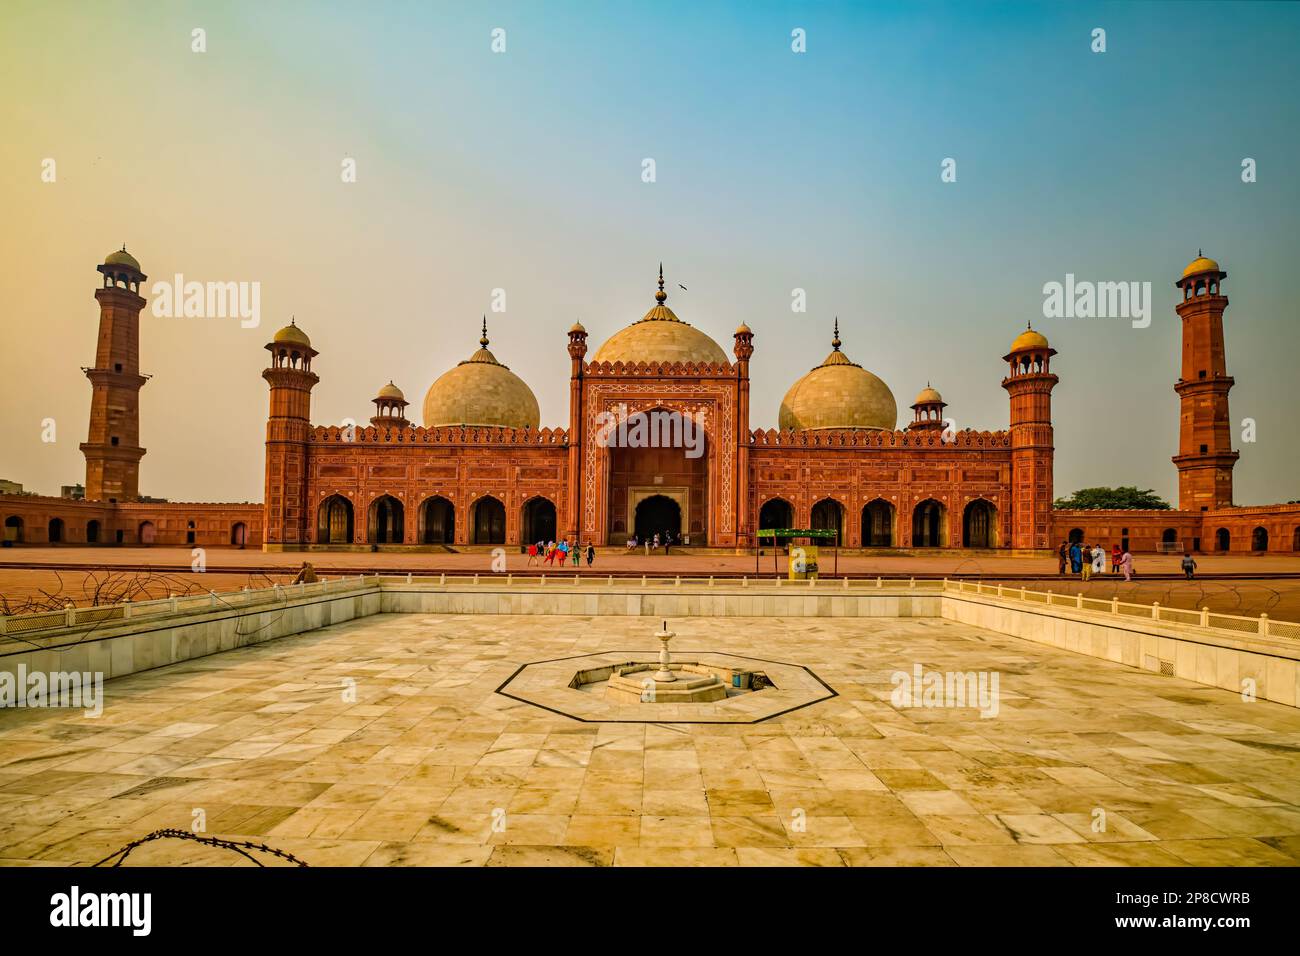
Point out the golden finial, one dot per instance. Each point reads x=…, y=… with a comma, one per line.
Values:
x=661, y=296
x=835, y=342
x=483, y=341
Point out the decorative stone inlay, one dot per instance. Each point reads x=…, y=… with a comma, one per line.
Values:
x=554, y=685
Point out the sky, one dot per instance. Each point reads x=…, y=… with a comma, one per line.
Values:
x=523, y=171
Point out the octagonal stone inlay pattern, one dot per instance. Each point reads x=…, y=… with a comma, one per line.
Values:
x=545, y=684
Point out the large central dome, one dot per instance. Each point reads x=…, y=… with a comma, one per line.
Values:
x=838, y=394
x=481, y=391
x=659, y=336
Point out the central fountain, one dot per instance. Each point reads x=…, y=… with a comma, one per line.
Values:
x=687, y=682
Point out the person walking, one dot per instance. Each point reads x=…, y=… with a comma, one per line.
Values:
x=1098, y=559
x=1189, y=566
x=1115, y=555
x=1126, y=566
x=532, y=553
x=591, y=553
x=563, y=548
x=1085, y=556
x=1061, y=553
x=668, y=541
x=647, y=546
x=656, y=540
x=1076, y=558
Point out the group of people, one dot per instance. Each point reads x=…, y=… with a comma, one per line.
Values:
x=552, y=552
x=1087, y=560
x=652, y=543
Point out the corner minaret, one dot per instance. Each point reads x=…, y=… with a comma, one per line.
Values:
x=1205, y=456
x=112, y=446
x=287, y=429
x=1029, y=386
x=744, y=351
x=573, y=503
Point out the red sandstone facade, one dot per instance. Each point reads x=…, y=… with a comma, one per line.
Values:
x=392, y=484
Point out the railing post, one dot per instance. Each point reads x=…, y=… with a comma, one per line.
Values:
x=1114, y=605
x=408, y=577
x=846, y=583
x=176, y=602
x=1023, y=593
x=1155, y=610
x=509, y=578
x=710, y=580
x=643, y=580
x=70, y=614
x=880, y=583
x=442, y=579
x=126, y=609
x=1078, y=600
x=476, y=577
x=1205, y=617
x=1263, y=625
x=1049, y=597
x=744, y=581
x=912, y=583
x=999, y=589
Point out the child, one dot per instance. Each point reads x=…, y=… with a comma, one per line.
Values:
x=1189, y=566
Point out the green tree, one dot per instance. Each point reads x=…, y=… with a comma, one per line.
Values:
x=1124, y=498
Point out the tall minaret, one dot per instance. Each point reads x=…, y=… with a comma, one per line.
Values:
x=287, y=426
x=744, y=351
x=112, y=447
x=1029, y=386
x=1205, y=456
x=573, y=503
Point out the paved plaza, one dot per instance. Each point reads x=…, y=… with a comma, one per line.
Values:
x=427, y=764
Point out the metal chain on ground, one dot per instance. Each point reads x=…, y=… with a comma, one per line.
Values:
x=237, y=846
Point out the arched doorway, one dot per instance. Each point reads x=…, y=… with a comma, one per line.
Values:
x=1076, y=536
x=147, y=532
x=878, y=524
x=437, y=521
x=539, y=520
x=828, y=515
x=239, y=534
x=55, y=530
x=650, y=456
x=92, y=532
x=1222, y=540
x=1169, y=539
x=658, y=515
x=190, y=532
x=929, y=525
x=777, y=513
x=14, y=529
x=1259, y=539
x=489, y=521
x=979, y=524
x=1295, y=540
x=386, y=524
x=334, y=521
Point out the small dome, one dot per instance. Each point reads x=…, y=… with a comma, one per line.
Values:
x=392, y=393
x=122, y=258
x=838, y=393
x=1029, y=340
x=481, y=391
x=578, y=327
x=659, y=336
x=1199, y=265
x=928, y=396
x=292, y=335
x=743, y=329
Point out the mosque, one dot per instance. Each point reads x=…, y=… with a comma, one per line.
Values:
x=481, y=470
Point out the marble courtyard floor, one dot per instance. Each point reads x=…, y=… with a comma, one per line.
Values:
x=431, y=766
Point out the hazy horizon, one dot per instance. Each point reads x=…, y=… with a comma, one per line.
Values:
x=522, y=171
